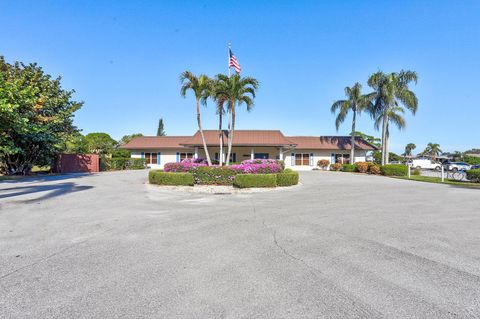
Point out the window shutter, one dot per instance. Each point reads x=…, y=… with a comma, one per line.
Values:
x=158, y=158
x=311, y=159
x=216, y=156
x=178, y=157
x=293, y=159
x=234, y=157
x=142, y=154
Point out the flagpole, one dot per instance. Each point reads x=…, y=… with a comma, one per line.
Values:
x=228, y=53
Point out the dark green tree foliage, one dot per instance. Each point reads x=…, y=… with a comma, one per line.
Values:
x=36, y=116
x=160, y=129
x=76, y=144
x=127, y=138
x=376, y=141
x=100, y=143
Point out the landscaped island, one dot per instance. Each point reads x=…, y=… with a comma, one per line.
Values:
x=249, y=173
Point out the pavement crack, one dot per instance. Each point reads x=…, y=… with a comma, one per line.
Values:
x=53, y=255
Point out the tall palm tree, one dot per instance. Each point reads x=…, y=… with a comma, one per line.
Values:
x=200, y=86
x=432, y=149
x=392, y=96
x=234, y=90
x=355, y=102
x=409, y=148
x=221, y=112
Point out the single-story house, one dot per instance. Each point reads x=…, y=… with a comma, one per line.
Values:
x=298, y=152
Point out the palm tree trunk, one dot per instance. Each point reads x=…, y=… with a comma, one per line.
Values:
x=220, y=136
x=230, y=133
x=199, y=122
x=384, y=137
x=352, y=145
x=387, y=157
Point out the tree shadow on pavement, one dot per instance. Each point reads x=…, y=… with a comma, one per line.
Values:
x=53, y=190
x=43, y=178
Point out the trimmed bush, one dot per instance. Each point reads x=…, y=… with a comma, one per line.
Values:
x=214, y=175
x=374, y=168
x=415, y=172
x=287, y=179
x=255, y=180
x=288, y=170
x=474, y=175
x=349, y=168
x=472, y=160
x=394, y=170
x=167, y=178
x=323, y=164
x=121, y=163
x=336, y=167
x=362, y=167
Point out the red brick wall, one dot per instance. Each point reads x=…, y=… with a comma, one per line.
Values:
x=78, y=163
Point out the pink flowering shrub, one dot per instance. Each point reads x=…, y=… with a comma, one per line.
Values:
x=223, y=175
x=183, y=166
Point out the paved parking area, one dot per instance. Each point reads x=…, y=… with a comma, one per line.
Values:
x=339, y=246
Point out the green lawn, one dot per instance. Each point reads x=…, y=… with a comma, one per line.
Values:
x=438, y=180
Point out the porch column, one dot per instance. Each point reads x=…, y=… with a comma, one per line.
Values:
x=196, y=152
x=280, y=153
x=252, y=153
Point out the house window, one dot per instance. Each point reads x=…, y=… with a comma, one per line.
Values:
x=185, y=155
x=261, y=156
x=151, y=158
x=342, y=158
x=302, y=159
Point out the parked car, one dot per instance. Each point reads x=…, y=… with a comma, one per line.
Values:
x=475, y=166
x=424, y=163
x=457, y=166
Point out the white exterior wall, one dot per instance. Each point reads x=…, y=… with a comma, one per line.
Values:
x=170, y=155
x=166, y=155
x=360, y=156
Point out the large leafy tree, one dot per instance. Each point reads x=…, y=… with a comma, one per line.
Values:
x=127, y=138
x=376, y=141
x=432, y=149
x=356, y=102
x=36, y=116
x=100, y=143
x=233, y=91
x=392, y=97
x=200, y=86
x=408, y=149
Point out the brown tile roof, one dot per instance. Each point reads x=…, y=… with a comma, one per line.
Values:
x=241, y=138
x=154, y=142
x=329, y=142
x=248, y=138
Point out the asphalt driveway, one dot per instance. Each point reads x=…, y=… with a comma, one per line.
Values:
x=339, y=246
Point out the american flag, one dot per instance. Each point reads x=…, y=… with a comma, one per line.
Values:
x=234, y=63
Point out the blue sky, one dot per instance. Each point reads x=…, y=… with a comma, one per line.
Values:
x=123, y=58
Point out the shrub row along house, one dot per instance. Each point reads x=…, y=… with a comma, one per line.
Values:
x=298, y=152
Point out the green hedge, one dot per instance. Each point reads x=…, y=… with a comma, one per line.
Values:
x=474, y=175
x=287, y=178
x=121, y=163
x=165, y=178
x=394, y=170
x=209, y=175
x=255, y=180
x=472, y=160
x=349, y=168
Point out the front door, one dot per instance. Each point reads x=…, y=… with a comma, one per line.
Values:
x=260, y=156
